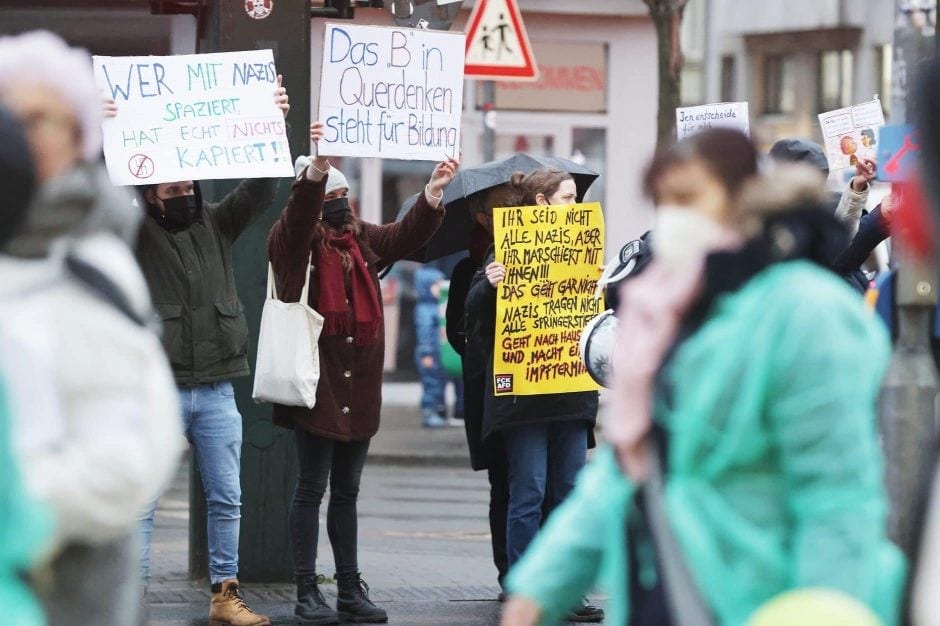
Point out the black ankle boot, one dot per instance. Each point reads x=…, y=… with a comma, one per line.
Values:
x=311, y=605
x=353, y=603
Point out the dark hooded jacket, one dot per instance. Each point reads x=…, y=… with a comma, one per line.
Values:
x=810, y=153
x=192, y=283
x=474, y=378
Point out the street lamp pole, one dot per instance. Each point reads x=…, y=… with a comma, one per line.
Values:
x=907, y=406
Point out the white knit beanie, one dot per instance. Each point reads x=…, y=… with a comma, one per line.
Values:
x=41, y=58
x=336, y=179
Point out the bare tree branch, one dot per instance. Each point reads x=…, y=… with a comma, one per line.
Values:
x=667, y=19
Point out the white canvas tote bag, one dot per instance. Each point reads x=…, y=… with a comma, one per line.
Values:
x=287, y=370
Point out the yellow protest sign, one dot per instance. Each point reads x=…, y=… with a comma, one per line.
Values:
x=552, y=257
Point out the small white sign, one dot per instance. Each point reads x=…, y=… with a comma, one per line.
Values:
x=391, y=93
x=851, y=132
x=690, y=120
x=193, y=117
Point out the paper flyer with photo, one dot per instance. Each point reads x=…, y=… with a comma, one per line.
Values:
x=851, y=132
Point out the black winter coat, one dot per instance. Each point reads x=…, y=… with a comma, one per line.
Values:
x=474, y=378
x=872, y=230
x=503, y=412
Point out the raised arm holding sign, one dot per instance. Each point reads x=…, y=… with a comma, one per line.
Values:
x=220, y=107
x=323, y=254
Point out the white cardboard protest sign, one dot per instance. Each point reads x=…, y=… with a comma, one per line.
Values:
x=851, y=132
x=690, y=120
x=393, y=93
x=192, y=117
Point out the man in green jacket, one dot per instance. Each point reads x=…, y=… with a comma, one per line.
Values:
x=185, y=251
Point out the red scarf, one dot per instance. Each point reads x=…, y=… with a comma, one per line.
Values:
x=332, y=304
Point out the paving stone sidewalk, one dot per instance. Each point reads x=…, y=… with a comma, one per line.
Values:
x=424, y=538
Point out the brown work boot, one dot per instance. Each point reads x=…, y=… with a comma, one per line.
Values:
x=228, y=607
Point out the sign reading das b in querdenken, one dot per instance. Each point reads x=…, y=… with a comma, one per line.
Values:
x=391, y=93
x=552, y=257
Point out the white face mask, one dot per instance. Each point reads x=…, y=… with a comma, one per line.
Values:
x=683, y=236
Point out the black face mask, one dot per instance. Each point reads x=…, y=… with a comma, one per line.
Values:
x=336, y=212
x=178, y=212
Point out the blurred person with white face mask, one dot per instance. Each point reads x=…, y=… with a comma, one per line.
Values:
x=742, y=415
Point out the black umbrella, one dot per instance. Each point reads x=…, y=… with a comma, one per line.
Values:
x=454, y=233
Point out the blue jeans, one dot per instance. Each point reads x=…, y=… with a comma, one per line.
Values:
x=433, y=385
x=434, y=382
x=213, y=427
x=539, y=456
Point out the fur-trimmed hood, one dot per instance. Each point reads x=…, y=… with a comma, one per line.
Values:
x=787, y=211
x=784, y=189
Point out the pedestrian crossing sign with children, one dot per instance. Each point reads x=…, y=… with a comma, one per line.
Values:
x=497, y=46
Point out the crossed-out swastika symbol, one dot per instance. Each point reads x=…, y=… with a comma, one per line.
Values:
x=140, y=166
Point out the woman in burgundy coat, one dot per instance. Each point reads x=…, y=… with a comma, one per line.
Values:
x=317, y=232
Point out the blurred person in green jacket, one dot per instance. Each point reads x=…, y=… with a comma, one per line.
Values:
x=25, y=528
x=750, y=371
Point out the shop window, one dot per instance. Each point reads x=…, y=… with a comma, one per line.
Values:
x=690, y=85
x=728, y=78
x=779, y=85
x=589, y=147
x=835, y=79
x=401, y=179
x=883, y=60
x=508, y=144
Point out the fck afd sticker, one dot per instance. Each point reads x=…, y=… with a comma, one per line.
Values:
x=503, y=383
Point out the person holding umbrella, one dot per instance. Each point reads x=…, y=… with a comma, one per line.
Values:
x=463, y=197
x=318, y=235
x=545, y=437
x=483, y=188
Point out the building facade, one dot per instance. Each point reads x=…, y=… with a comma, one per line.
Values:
x=789, y=60
x=595, y=101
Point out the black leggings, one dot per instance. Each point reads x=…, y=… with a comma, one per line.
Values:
x=342, y=462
